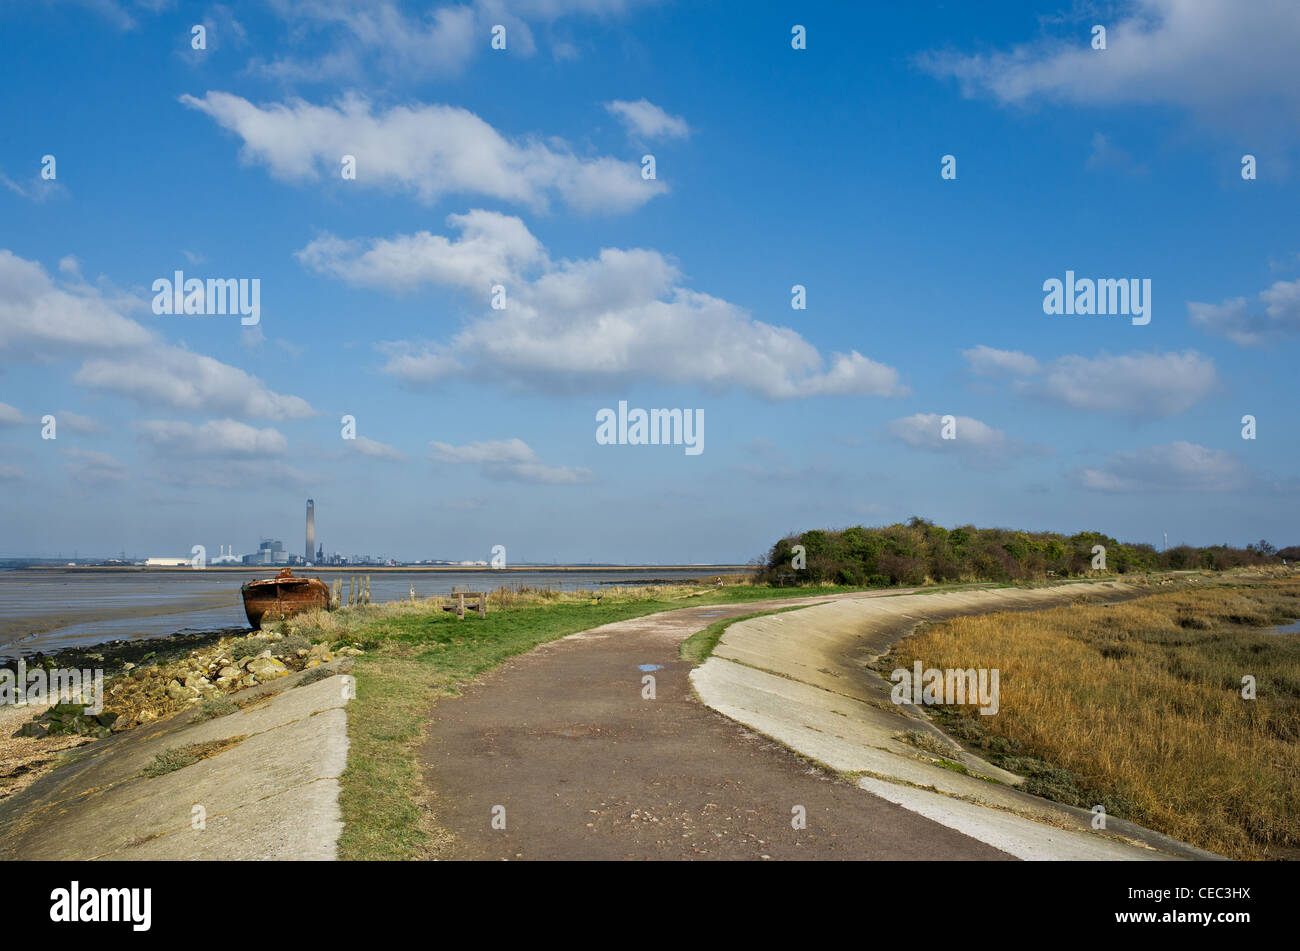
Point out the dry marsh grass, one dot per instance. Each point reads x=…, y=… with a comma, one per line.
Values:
x=1139, y=706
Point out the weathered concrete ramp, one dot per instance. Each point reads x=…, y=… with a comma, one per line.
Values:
x=271, y=795
x=803, y=678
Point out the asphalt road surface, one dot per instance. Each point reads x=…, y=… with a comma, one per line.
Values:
x=584, y=766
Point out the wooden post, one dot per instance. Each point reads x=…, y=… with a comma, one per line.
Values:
x=482, y=604
x=460, y=606
x=336, y=592
x=351, y=581
x=367, y=589
x=412, y=594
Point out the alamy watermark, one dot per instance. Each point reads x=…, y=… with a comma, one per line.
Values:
x=215, y=296
x=1105, y=297
x=931, y=686
x=40, y=686
x=655, y=427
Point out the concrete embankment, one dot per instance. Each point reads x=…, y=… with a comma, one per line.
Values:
x=268, y=790
x=804, y=678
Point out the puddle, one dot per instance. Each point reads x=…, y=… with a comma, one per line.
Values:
x=648, y=667
x=1292, y=628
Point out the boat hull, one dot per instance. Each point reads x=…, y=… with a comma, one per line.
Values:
x=275, y=599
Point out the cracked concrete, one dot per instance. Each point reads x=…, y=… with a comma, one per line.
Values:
x=272, y=795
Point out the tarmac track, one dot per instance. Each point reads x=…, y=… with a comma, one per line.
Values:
x=587, y=768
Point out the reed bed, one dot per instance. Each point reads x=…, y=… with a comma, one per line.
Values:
x=1139, y=705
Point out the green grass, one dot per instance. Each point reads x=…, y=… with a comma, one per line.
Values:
x=697, y=648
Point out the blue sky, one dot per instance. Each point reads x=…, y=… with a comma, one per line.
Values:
x=522, y=167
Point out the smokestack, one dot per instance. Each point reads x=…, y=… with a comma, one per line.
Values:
x=311, y=531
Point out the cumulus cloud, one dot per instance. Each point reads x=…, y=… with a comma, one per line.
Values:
x=1127, y=384
x=644, y=120
x=1137, y=384
x=425, y=150
x=510, y=460
x=986, y=361
x=91, y=467
x=1274, y=314
x=181, y=379
x=43, y=320
x=218, y=437
x=69, y=422
x=1175, y=467
x=362, y=37
x=976, y=441
x=1205, y=56
x=11, y=415
x=375, y=449
x=588, y=322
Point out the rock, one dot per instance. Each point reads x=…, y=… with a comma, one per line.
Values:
x=179, y=691
x=228, y=672
x=128, y=666
x=267, y=668
x=197, y=681
x=33, y=728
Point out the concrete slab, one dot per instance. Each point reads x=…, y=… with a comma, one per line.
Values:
x=273, y=794
x=802, y=678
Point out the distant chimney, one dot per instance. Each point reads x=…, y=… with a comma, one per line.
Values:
x=311, y=530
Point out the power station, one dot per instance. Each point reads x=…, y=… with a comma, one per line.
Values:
x=311, y=532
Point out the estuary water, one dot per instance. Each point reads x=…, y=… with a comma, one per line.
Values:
x=45, y=610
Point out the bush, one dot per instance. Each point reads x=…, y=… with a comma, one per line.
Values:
x=909, y=554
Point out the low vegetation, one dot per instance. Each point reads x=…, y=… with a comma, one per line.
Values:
x=920, y=552
x=1139, y=707
x=168, y=761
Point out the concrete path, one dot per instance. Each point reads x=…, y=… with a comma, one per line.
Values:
x=586, y=768
x=804, y=678
x=272, y=795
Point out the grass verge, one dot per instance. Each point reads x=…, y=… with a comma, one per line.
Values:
x=697, y=648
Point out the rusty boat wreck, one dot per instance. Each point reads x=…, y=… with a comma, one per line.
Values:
x=273, y=599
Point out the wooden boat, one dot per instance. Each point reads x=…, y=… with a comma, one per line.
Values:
x=273, y=599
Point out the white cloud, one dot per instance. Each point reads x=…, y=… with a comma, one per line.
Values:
x=41, y=319
x=977, y=442
x=589, y=322
x=1176, y=467
x=1129, y=384
x=181, y=379
x=69, y=422
x=1136, y=384
x=509, y=459
x=1215, y=58
x=11, y=415
x=93, y=467
x=218, y=437
x=362, y=37
x=491, y=248
x=1276, y=315
x=375, y=449
x=11, y=473
x=426, y=150
x=645, y=120
x=986, y=361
